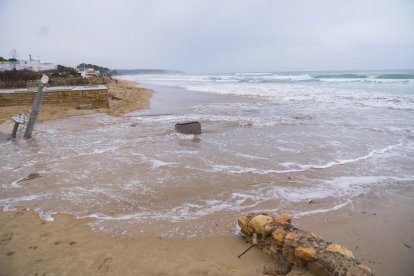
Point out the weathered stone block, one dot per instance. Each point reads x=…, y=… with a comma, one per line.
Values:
x=336, y=248
x=298, y=248
x=245, y=227
x=306, y=253
x=283, y=219
x=188, y=127
x=259, y=224
x=278, y=238
x=318, y=269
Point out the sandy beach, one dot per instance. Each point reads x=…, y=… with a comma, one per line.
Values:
x=136, y=212
x=67, y=246
x=184, y=138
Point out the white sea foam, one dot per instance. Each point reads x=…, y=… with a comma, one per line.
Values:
x=159, y=163
x=295, y=167
x=324, y=210
x=45, y=215
x=296, y=87
x=13, y=185
x=120, y=173
x=10, y=203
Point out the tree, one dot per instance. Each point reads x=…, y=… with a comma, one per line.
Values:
x=103, y=70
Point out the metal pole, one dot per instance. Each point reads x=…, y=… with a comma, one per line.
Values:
x=16, y=126
x=35, y=108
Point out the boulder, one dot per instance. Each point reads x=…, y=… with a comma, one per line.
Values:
x=259, y=224
x=318, y=269
x=306, y=253
x=278, y=237
x=294, y=236
x=292, y=239
x=283, y=219
x=365, y=268
x=359, y=270
x=30, y=177
x=245, y=227
x=336, y=248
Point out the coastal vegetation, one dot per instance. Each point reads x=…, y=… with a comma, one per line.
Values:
x=103, y=70
x=4, y=59
x=62, y=75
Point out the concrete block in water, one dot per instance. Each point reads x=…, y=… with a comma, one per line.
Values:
x=188, y=128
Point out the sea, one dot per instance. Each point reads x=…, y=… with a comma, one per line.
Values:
x=303, y=143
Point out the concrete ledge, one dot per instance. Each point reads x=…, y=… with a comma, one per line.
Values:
x=291, y=247
x=188, y=127
x=96, y=95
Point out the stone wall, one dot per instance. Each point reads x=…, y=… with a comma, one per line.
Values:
x=291, y=247
x=95, y=95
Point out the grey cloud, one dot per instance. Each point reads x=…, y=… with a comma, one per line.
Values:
x=213, y=36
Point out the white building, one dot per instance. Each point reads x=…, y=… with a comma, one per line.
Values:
x=88, y=72
x=31, y=64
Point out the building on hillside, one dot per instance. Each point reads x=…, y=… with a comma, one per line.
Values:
x=31, y=64
x=88, y=72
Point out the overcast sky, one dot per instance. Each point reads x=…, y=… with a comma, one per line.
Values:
x=213, y=35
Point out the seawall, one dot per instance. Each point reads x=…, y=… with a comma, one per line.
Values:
x=96, y=95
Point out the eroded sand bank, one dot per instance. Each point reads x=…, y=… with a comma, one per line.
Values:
x=133, y=98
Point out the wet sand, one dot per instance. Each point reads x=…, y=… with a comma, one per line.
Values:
x=67, y=246
x=378, y=230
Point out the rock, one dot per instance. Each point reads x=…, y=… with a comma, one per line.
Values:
x=259, y=224
x=243, y=222
x=188, y=128
x=30, y=177
x=292, y=239
x=254, y=239
x=278, y=237
x=292, y=236
x=318, y=269
x=33, y=176
x=336, y=248
x=313, y=235
x=356, y=270
x=289, y=253
x=306, y=253
x=365, y=268
x=283, y=219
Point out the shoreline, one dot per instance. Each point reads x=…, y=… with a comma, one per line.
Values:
x=67, y=246
x=70, y=245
